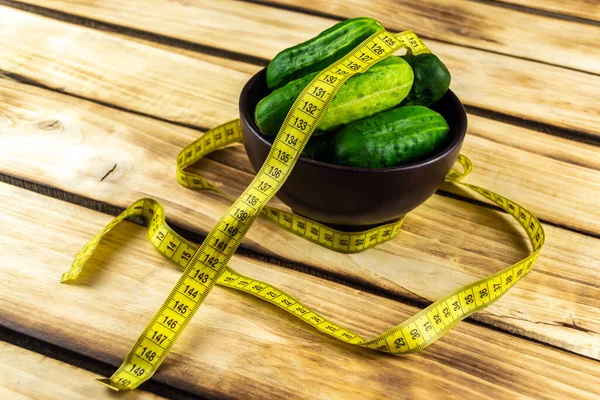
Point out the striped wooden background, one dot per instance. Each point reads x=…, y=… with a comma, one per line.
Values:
x=98, y=97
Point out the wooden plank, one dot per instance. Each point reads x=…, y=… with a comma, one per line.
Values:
x=463, y=22
x=238, y=346
x=477, y=24
x=72, y=144
x=116, y=72
x=108, y=68
x=586, y=9
x=560, y=178
x=28, y=375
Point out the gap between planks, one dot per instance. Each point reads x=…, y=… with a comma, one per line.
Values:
x=135, y=33
x=27, y=81
x=498, y=3
x=310, y=11
x=171, y=41
x=570, y=134
x=28, y=347
x=572, y=15
x=489, y=206
x=266, y=256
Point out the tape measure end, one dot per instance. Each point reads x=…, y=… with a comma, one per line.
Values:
x=109, y=384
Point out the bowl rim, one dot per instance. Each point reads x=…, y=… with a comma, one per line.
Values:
x=457, y=141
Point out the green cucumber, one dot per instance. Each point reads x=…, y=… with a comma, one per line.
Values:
x=390, y=138
x=319, y=52
x=380, y=88
x=432, y=80
x=317, y=148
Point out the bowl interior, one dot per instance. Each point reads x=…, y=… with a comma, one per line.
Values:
x=256, y=89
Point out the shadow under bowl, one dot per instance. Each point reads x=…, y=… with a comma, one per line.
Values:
x=350, y=198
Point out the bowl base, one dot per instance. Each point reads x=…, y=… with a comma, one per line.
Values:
x=349, y=228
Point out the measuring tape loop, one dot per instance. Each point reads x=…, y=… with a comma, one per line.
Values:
x=316, y=232
x=206, y=265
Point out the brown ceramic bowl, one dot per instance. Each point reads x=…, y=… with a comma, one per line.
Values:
x=355, y=198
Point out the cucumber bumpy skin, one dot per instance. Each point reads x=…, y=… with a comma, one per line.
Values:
x=380, y=88
x=319, y=52
x=390, y=138
x=432, y=80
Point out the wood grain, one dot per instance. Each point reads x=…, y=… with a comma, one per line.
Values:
x=586, y=9
x=462, y=22
x=555, y=176
x=238, y=346
x=109, y=68
x=28, y=375
x=71, y=144
x=477, y=24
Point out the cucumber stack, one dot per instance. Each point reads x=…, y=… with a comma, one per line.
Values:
x=377, y=119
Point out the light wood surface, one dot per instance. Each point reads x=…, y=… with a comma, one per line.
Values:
x=106, y=67
x=98, y=97
x=586, y=9
x=26, y=375
x=89, y=140
x=484, y=26
x=558, y=178
x=238, y=346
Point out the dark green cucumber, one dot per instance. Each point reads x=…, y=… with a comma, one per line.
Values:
x=319, y=52
x=317, y=148
x=390, y=138
x=380, y=88
x=432, y=80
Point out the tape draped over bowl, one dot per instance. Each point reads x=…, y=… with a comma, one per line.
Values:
x=355, y=198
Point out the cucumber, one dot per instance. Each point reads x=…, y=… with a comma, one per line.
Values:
x=390, y=138
x=319, y=52
x=380, y=88
x=317, y=148
x=432, y=80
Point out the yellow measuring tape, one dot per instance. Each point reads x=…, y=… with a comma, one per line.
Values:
x=206, y=265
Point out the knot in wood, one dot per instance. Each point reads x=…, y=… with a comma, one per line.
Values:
x=50, y=125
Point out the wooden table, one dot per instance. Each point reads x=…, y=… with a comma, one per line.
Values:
x=97, y=99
